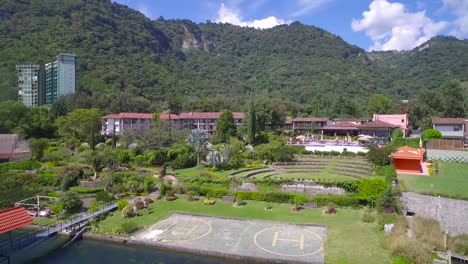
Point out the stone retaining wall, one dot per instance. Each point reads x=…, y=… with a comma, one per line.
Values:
x=451, y=213
x=311, y=188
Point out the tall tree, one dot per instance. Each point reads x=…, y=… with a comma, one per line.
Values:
x=11, y=113
x=82, y=124
x=380, y=104
x=251, y=123
x=225, y=127
x=38, y=124
x=454, y=99
x=198, y=139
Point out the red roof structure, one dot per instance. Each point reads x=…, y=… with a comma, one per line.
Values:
x=191, y=115
x=341, y=125
x=14, y=218
x=407, y=159
x=449, y=121
x=311, y=119
x=209, y=115
x=377, y=124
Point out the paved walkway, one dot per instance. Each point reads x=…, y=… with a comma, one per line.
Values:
x=275, y=242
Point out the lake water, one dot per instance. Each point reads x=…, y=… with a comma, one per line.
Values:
x=92, y=251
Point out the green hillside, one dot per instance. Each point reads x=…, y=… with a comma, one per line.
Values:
x=121, y=52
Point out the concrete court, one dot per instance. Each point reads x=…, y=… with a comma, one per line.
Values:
x=255, y=240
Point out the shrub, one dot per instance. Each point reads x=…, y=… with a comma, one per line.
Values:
x=428, y=231
x=299, y=200
x=331, y=208
x=412, y=249
x=214, y=192
x=71, y=202
x=127, y=211
x=149, y=184
x=384, y=219
x=429, y=134
x=209, y=202
x=371, y=190
x=70, y=177
x=128, y=227
x=47, y=179
x=388, y=172
x=367, y=217
x=122, y=204
x=23, y=165
x=389, y=201
x=54, y=194
x=192, y=196
x=459, y=245
x=339, y=200
x=103, y=196
x=379, y=156
x=93, y=206
x=37, y=147
x=170, y=195
x=85, y=190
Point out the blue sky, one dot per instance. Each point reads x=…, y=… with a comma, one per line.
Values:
x=370, y=24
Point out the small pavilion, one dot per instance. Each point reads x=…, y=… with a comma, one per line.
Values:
x=408, y=160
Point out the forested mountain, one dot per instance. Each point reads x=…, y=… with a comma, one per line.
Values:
x=123, y=54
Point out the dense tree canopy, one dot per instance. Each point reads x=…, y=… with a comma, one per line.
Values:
x=128, y=63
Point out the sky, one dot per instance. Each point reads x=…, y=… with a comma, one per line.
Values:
x=369, y=24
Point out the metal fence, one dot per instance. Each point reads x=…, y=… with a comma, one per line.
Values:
x=447, y=155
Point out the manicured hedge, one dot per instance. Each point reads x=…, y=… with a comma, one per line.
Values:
x=348, y=186
x=85, y=190
x=214, y=192
x=23, y=165
x=338, y=200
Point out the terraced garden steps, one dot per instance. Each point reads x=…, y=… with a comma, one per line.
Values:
x=250, y=174
x=246, y=170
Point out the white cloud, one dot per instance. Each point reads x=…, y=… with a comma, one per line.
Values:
x=232, y=16
x=460, y=9
x=306, y=6
x=391, y=27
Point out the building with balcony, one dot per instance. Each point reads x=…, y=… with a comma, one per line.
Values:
x=143, y=122
x=29, y=84
x=309, y=125
x=452, y=128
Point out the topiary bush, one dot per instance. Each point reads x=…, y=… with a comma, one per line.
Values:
x=71, y=202
x=103, y=196
x=127, y=211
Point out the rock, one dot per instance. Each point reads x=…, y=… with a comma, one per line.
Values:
x=228, y=199
x=310, y=205
x=388, y=228
x=133, y=145
x=100, y=145
x=84, y=144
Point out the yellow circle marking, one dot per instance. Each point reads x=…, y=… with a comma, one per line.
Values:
x=287, y=255
x=180, y=240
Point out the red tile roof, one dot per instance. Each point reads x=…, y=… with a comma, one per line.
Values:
x=192, y=115
x=341, y=125
x=130, y=115
x=408, y=153
x=209, y=115
x=311, y=119
x=14, y=218
x=449, y=121
x=377, y=124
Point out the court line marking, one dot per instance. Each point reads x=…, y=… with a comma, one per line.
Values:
x=287, y=255
x=181, y=240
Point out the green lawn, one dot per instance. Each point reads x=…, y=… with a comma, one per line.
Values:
x=349, y=240
x=196, y=171
x=452, y=180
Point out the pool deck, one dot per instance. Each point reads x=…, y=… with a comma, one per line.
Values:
x=246, y=239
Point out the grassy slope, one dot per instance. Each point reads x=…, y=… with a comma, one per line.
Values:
x=452, y=180
x=349, y=240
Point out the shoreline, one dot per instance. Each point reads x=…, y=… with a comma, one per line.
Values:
x=175, y=248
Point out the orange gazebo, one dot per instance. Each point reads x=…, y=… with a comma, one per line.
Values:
x=408, y=160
